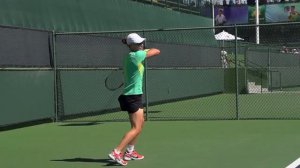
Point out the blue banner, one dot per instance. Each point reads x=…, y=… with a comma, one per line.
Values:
x=231, y=15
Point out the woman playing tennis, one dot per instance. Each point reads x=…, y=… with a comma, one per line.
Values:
x=131, y=99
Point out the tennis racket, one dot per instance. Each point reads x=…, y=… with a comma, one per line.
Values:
x=114, y=80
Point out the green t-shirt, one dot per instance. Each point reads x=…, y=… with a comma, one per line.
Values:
x=133, y=72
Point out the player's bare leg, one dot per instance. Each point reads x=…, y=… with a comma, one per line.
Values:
x=137, y=122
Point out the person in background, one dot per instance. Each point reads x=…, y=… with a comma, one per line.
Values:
x=224, y=58
x=220, y=19
x=293, y=15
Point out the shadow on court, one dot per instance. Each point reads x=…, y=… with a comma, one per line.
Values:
x=154, y=111
x=81, y=124
x=108, y=162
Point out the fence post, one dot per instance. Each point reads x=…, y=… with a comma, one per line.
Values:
x=146, y=84
x=299, y=60
x=236, y=76
x=269, y=66
x=271, y=80
x=261, y=82
x=55, y=76
x=246, y=69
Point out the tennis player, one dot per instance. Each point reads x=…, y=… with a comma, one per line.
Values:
x=131, y=99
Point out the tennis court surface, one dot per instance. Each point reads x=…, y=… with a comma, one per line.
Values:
x=176, y=144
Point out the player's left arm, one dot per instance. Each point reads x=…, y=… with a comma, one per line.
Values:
x=152, y=52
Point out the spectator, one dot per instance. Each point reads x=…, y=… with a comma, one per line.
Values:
x=220, y=18
x=295, y=51
x=294, y=15
x=224, y=58
x=287, y=9
x=193, y=4
x=284, y=49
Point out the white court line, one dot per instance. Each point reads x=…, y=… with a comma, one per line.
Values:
x=295, y=164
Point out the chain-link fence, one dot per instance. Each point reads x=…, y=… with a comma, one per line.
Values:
x=195, y=76
x=199, y=74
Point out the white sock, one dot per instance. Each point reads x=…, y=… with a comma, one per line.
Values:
x=130, y=148
x=117, y=151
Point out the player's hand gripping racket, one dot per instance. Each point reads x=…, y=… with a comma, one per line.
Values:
x=114, y=80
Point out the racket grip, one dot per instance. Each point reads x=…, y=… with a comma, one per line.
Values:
x=124, y=41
